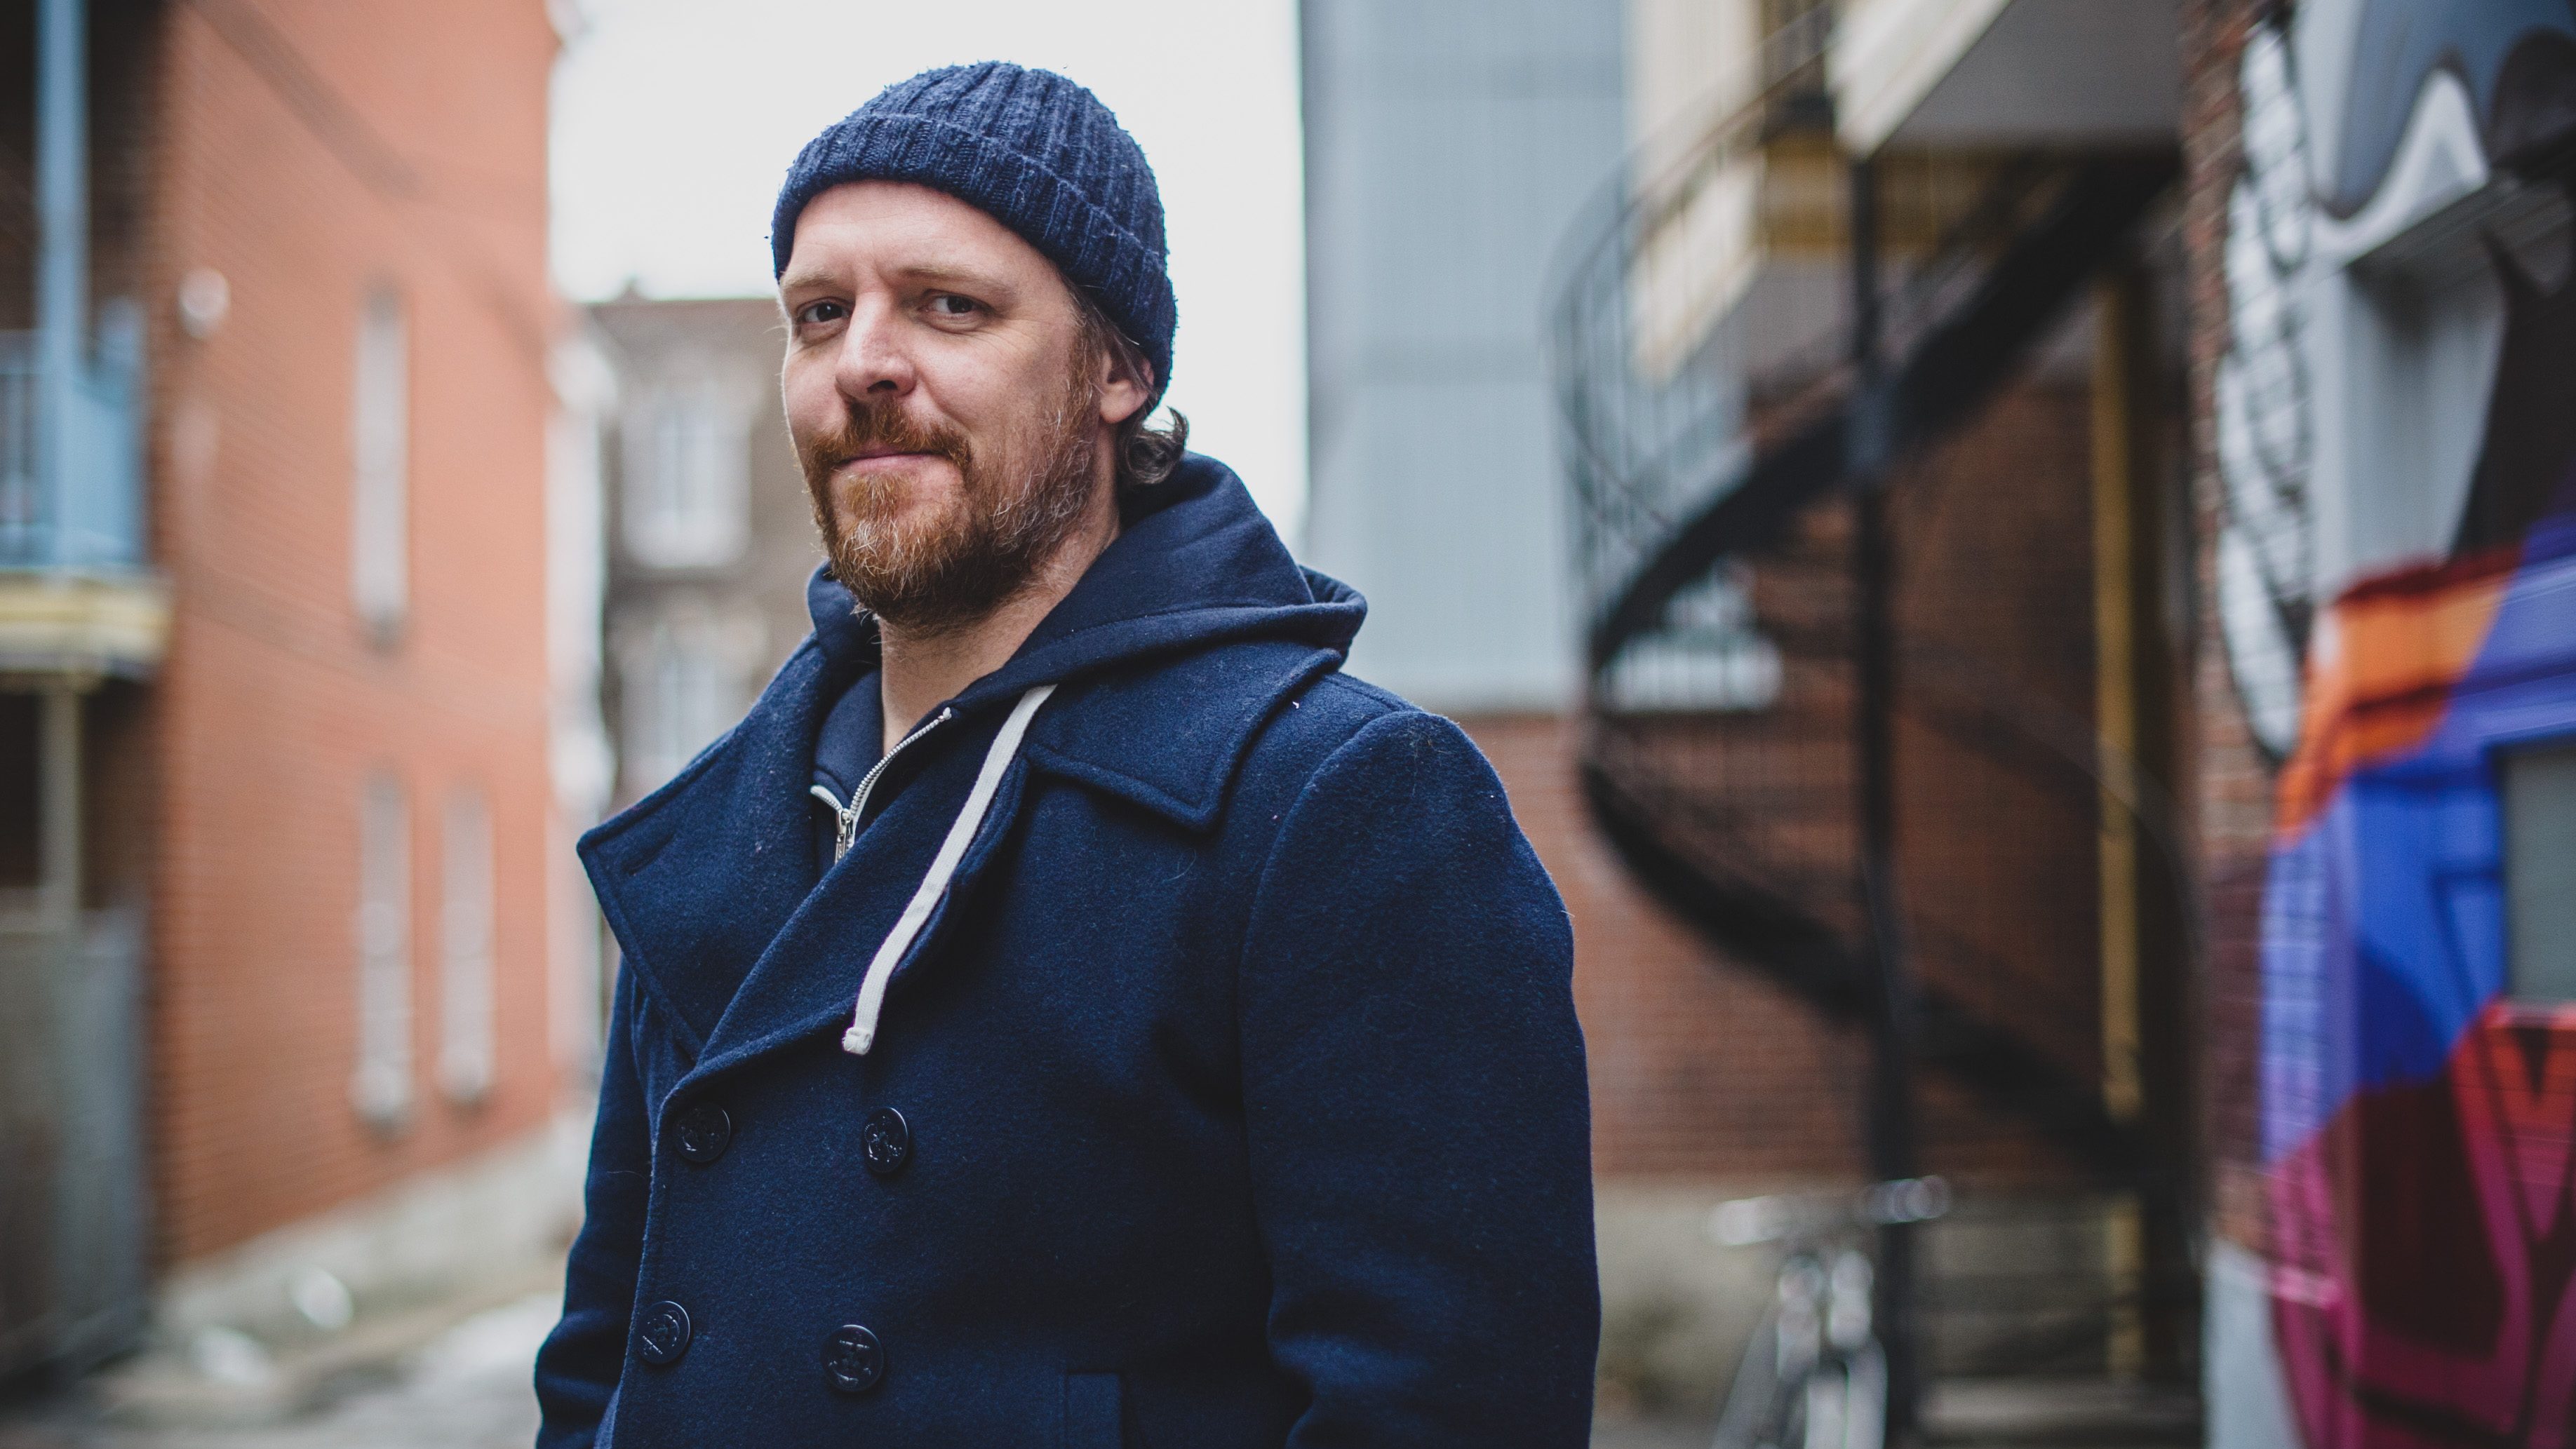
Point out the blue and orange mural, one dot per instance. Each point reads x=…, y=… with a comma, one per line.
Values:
x=2417, y=1122
x=2398, y=588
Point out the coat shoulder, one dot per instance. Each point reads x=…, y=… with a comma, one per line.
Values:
x=1339, y=726
x=1335, y=710
x=1312, y=724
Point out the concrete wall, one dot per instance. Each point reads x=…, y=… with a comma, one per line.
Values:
x=1449, y=146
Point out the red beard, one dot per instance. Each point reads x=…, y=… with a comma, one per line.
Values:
x=1012, y=513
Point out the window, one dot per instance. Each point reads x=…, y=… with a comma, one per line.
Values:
x=380, y=575
x=465, y=949
x=382, y=1086
x=2540, y=872
x=683, y=686
x=687, y=476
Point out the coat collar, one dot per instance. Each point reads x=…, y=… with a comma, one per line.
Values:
x=1180, y=642
x=698, y=876
x=1168, y=737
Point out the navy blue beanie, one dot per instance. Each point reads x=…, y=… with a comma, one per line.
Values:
x=1039, y=153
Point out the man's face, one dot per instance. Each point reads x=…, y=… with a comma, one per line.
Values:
x=951, y=412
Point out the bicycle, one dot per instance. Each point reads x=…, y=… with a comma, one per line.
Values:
x=1815, y=1374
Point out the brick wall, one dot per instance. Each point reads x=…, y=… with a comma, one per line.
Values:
x=1700, y=1068
x=308, y=151
x=1703, y=1067
x=1997, y=828
x=2231, y=789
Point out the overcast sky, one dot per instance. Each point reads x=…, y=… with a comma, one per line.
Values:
x=675, y=119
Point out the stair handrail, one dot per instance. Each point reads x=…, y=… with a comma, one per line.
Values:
x=1670, y=483
x=1768, y=96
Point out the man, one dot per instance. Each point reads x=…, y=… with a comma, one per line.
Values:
x=1066, y=1011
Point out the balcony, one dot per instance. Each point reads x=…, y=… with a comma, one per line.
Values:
x=1732, y=247
x=75, y=596
x=2006, y=74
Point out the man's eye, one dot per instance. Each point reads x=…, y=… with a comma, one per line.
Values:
x=815, y=314
x=949, y=307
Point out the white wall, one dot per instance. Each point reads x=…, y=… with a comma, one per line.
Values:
x=1449, y=145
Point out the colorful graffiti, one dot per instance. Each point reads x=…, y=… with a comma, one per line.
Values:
x=2418, y=1115
x=2417, y=1122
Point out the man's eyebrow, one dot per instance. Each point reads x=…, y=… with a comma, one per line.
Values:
x=933, y=273
x=930, y=273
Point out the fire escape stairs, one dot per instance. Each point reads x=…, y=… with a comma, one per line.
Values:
x=1952, y=371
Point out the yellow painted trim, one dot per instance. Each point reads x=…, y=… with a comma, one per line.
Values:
x=2115, y=674
x=2124, y=1260
x=53, y=624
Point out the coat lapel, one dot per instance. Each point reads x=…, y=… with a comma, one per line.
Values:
x=808, y=980
x=698, y=877
x=709, y=882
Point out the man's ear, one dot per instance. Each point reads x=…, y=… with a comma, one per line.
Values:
x=1122, y=392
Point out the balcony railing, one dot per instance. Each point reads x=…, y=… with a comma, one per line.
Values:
x=73, y=501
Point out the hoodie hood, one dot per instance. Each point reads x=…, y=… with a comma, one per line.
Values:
x=1195, y=563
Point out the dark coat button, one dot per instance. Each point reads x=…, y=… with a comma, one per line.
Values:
x=705, y=1133
x=854, y=1359
x=662, y=1333
x=886, y=1141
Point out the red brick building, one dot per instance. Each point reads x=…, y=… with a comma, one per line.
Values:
x=279, y=701
x=321, y=777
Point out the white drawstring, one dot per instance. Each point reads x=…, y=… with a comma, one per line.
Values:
x=943, y=868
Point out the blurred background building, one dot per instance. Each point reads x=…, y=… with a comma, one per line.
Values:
x=2070, y=588
x=1681, y=719
x=2013, y=555
x=1963, y=492
x=280, y=966
x=712, y=538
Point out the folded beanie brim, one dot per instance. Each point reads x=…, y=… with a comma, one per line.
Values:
x=1038, y=153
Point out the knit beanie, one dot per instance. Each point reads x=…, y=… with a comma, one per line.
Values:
x=1039, y=153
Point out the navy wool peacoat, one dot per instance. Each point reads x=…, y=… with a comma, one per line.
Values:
x=1231, y=1096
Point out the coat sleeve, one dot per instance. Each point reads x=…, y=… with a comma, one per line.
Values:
x=577, y=1369
x=1415, y=1103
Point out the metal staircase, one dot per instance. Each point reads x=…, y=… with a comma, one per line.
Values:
x=1831, y=622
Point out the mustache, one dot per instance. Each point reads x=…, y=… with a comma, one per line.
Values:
x=882, y=425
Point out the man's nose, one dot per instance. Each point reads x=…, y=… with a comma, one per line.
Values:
x=873, y=356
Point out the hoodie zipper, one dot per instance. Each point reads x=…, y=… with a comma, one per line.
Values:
x=846, y=830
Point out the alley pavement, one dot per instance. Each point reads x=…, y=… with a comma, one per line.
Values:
x=466, y=1389
x=1649, y=1434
